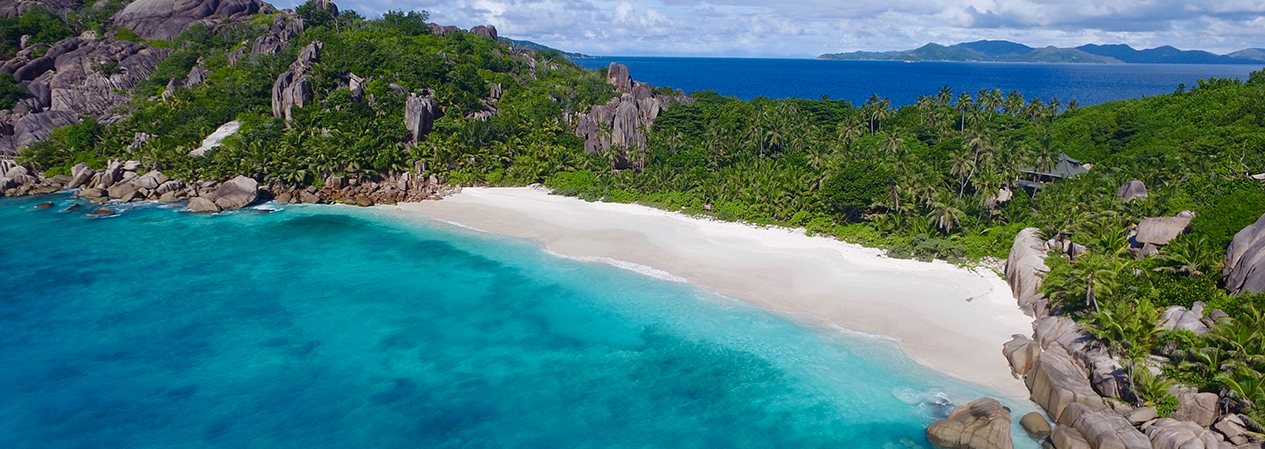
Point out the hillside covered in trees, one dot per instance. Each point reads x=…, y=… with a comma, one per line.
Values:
x=320, y=96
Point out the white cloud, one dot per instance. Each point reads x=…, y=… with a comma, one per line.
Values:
x=811, y=27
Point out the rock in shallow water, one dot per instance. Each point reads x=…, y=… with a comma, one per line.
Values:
x=982, y=424
x=1036, y=425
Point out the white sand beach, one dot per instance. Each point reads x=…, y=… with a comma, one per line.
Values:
x=951, y=319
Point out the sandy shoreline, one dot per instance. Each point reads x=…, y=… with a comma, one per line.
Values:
x=951, y=319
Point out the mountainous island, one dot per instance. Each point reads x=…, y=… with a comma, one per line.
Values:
x=1132, y=231
x=1006, y=51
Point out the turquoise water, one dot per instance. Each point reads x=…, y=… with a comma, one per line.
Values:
x=338, y=327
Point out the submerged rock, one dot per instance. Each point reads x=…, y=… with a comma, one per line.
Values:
x=982, y=424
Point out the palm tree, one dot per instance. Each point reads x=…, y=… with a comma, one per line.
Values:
x=962, y=165
x=893, y=144
x=964, y=104
x=944, y=96
x=850, y=129
x=945, y=212
x=1014, y=103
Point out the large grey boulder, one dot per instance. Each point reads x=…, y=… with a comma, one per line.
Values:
x=982, y=424
x=79, y=87
x=80, y=174
x=292, y=88
x=1036, y=426
x=1193, y=406
x=1022, y=353
x=1177, y=317
x=1245, y=260
x=1025, y=268
x=484, y=30
x=1103, y=429
x=201, y=205
x=36, y=127
x=1153, y=233
x=1168, y=433
x=236, y=193
x=1067, y=437
x=166, y=19
x=1131, y=190
x=419, y=116
x=1056, y=381
x=617, y=75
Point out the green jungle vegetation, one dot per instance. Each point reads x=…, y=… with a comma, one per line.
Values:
x=917, y=180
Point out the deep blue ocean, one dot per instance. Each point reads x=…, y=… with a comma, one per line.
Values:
x=341, y=327
x=903, y=82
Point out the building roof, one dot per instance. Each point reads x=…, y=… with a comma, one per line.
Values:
x=1064, y=167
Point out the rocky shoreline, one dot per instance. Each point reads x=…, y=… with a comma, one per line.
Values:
x=1084, y=389
x=123, y=182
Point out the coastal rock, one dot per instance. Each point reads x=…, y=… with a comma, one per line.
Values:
x=1025, y=267
x=80, y=175
x=166, y=19
x=1131, y=190
x=1056, y=381
x=419, y=116
x=171, y=186
x=44, y=205
x=1103, y=428
x=1193, y=406
x=236, y=193
x=1245, y=260
x=1141, y=415
x=1067, y=437
x=92, y=193
x=1167, y=433
x=199, y=205
x=121, y=190
x=982, y=424
x=1022, y=353
x=103, y=212
x=1036, y=425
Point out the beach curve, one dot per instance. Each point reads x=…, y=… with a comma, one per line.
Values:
x=951, y=319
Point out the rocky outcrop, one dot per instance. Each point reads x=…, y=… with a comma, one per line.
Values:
x=1067, y=437
x=388, y=190
x=1103, y=429
x=620, y=123
x=982, y=424
x=420, y=113
x=1235, y=430
x=201, y=205
x=286, y=25
x=77, y=76
x=485, y=31
x=15, y=8
x=1131, y=190
x=1168, y=433
x=1056, y=381
x=292, y=88
x=235, y=193
x=166, y=19
x=1245, y=260
x=440, y=30
x=1196, y=407
x=1025, y=267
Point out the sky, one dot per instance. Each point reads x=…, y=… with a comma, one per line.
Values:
x=807, y=28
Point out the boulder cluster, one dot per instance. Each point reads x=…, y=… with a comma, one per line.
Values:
x=1084, y=389
x=405, y=187
x=982, y=424
x=292, y=88
x=622, y=121
x=76, y=76
x=166, y=19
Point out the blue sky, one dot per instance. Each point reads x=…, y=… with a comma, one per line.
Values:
x=801, y=28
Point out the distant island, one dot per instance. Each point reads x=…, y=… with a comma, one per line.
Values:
x=1006, y=51
x=529, y=45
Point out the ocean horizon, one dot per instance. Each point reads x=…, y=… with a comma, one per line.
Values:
x=902, y=82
